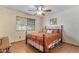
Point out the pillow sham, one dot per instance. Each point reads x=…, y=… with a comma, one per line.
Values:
x=49, y=31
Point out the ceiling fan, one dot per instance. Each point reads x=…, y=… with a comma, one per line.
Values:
x=40, y=10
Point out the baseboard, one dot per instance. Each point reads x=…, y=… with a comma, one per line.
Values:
x=62, y=42
x=71, y=44
x=17, y=41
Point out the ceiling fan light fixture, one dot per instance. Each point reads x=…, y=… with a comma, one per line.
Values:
x=39, y=12
x=40, y=8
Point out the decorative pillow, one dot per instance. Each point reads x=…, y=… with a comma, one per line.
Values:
x=49, y=31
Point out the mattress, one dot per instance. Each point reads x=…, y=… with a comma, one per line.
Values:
x=40, y=47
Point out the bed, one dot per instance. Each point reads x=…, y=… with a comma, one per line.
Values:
x=43, y=40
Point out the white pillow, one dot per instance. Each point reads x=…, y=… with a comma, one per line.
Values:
x=49, y=31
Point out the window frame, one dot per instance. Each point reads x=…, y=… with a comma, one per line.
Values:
x=19, y=18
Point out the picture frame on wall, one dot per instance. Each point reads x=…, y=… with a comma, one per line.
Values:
x=53, y=21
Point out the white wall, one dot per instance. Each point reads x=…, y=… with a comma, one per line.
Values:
x=70, y=20
x=8, y=24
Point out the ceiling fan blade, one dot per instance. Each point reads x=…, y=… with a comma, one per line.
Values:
x=43, y=14
x=32, y=10
x=49, y=10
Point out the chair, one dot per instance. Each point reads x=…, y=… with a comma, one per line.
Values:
x=4, y=44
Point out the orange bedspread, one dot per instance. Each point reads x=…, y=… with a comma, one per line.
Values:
x=38, y=37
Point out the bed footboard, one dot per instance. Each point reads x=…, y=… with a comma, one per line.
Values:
x=44, y=50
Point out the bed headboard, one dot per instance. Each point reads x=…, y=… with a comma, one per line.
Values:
x=54, y=27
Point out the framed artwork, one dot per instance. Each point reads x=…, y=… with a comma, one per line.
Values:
x=53, y=21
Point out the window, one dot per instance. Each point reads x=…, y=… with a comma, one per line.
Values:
x=23, y=23
x=30, y=24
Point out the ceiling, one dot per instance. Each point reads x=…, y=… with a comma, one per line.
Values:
x=54, y=8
